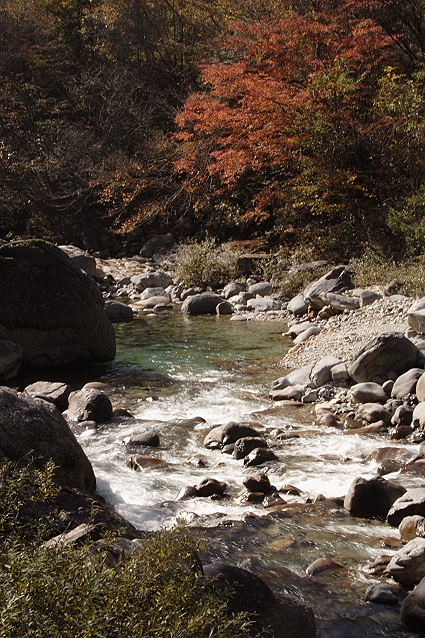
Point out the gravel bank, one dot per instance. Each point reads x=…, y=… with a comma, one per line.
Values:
x=345, y=334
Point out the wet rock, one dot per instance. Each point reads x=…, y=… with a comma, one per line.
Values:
x=409, y=504
x=246, y=592
x=390, y=351
x=202, y=304
x=147, y=439
x=412, y=527
x=378, y=566
x=54, y=392
x=233, y=431
x=413, y=608
x=11, y=355
x=298, y=377
x=368, y=392
x=401, y=432
x=258, y=482
x=117, y=311
x=290, y=393
x=155, y=292
x=389, y=459
x=321, y=565
x=186, y=492
x=50, y=307
x=381, y=595
x=36, y=427
x=420, y=388
x=298, y=328
x=224, y=308
x=152, y=302
x=407, y=566
x=372, y=498
x=138, y=462
x=245, y=445
x=259, y=456
x=89, y=404
x=210, y=487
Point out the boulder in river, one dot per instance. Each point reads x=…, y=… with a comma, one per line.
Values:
x=413, y=608
x=372, y=498
x=89, y=404
x=246, y=592
x=54, y=392
x=409, y=504
x=36, y=428
x=116, y=311
x=407, y=566
x=50, y=307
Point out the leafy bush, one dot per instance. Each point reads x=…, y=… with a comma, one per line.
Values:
x=70, y=592
x=409, y=222
x=375, y=268
x=204, y=264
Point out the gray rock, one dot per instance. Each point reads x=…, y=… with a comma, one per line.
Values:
x=381, y=595
x=157, y=244
x=413, y=608
x=418, y=416
x=258, y=456
x=54, y=392
x=391, y=351
x=368, y=392
x=338, y=280
x=153, y=301
x=258, y=482
x=89, y=404
x=232, y=289
x=155, y=292
x=32, y=426
x=290, y=393
x=340, y=302
x=298, y=306
x=412, y=527
x=156, y=279
x=117, y=311
x=310, y=332
x=245, y=445
x=367, y=297
x=407, y=566
x=373, y=412
x=301, y=377
x=246, y=592
x=406, y=383
x=263, y=289
x=420, y=388
x=322, y=371
x=188, y=292
x=339, y=372
x=299, y=328
x=81, y=259
x=203, y=304
x=11, y=355
x=372, y=498
x=416, y=315
x=50, y=307
x=403, y=415
x=210, y=487
x=410, y=504
x=263, y=304
x=145, y=439
x=224, y=308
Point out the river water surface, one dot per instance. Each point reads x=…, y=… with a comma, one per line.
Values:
x=170, y=369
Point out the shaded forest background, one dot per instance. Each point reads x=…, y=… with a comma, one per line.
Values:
x=298, y=122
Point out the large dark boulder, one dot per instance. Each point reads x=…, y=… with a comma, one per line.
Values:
x=372, y=498
x=413, y=608
x=287, y=617
x=50, y=307
x=389, y=352
x=203, y=304
x=336, y=281
x=36, y=428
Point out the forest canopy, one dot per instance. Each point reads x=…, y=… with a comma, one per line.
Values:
x=285, y=120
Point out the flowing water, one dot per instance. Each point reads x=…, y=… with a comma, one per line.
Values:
x=170, y=369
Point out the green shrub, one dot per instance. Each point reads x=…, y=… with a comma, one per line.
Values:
x=70, y=592
x=204, y=264
x=375, y=268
